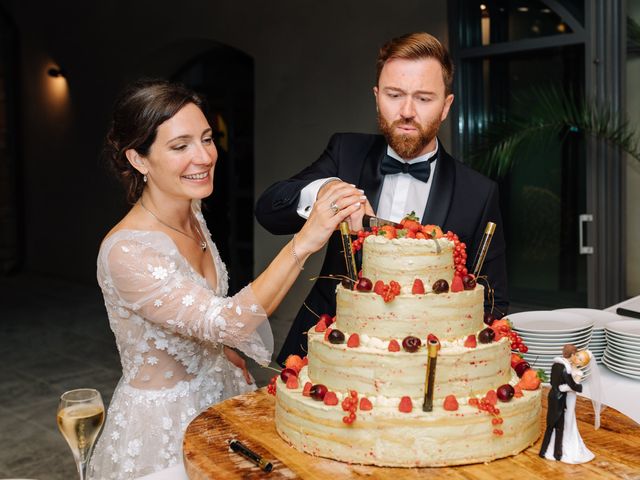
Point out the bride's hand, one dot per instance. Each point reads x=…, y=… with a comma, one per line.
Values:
x=235, y=358
x=337, y=203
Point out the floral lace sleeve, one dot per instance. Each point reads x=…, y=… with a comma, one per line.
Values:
x=148, y=282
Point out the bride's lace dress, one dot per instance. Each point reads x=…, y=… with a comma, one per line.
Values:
x=170, y=327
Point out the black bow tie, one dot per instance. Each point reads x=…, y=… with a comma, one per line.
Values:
x=420, y=170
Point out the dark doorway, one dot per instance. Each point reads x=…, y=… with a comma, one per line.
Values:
x=10, y=225
x=224, y=76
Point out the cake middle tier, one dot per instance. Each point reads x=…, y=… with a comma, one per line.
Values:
x=369, y=370
x=446, y=315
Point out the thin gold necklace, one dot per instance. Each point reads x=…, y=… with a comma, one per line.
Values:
x=201, y=243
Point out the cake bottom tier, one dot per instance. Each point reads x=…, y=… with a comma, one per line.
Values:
x=387, y=437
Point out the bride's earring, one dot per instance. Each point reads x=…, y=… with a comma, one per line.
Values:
x=144, y=178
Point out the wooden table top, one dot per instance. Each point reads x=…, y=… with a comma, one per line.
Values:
x=249, y=418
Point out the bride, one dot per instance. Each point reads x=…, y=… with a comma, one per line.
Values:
x=165, y=286
x=574, y=450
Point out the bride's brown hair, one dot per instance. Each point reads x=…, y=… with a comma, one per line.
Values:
x=139, y=110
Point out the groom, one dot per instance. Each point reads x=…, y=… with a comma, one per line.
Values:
x=561, y=383
x=405, y=169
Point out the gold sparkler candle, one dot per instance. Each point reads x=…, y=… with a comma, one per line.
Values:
x=432, y=360
x=484, y=246
x=349, y=259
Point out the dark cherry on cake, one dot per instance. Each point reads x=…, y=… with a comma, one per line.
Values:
x=489, y=318
x=318, y=392
x=469, y=281
x=347, y=283
x=336, y=336
x=364, y=284
x=440, y=286
x=505, y=392
x=411, y=344
x=522, y=367
x=486, y=336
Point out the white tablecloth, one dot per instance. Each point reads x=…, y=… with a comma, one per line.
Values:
x=620, y=392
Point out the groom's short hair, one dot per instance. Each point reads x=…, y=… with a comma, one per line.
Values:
x=569, y=350
x=416, y=46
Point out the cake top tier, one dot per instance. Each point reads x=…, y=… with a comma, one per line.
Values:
x=405, y=259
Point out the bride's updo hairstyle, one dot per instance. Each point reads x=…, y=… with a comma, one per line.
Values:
x=139, y=110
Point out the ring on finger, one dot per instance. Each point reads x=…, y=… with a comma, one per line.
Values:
x=334, y=207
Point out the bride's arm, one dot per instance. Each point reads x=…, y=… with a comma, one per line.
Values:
x=273, y=284
x=146, y=281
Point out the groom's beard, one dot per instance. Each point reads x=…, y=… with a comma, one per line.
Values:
x=408, y=146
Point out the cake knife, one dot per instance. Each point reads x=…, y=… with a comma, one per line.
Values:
x=369, y=221
x=627, y=313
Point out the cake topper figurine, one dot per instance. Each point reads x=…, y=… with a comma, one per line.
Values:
x=352, y=271
x=562, y=440
x=432, y=360
x=484, y=247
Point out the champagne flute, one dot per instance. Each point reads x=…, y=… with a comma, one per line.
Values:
x=80, y=418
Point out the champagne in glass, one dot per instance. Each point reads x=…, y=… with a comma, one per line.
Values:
x=80, y=418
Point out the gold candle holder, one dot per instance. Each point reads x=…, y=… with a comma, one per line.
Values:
x=484, y=246
x=432, y=360
x=352, y=271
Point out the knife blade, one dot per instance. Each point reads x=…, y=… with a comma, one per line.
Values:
x=369, y=221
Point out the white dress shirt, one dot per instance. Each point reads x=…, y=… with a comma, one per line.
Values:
x=401, y=193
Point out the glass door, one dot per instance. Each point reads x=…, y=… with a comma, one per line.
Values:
x=506, y=51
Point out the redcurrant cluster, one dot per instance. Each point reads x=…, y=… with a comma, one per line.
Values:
x=486, y=404
x=271, y=388
x=350, y=404
x=459, y=254
x=356, y=244
x=516, y=342
x=387, y=292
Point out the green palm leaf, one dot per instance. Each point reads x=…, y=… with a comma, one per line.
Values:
x=552, y=114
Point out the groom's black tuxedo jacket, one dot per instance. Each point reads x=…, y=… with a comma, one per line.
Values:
x=557, y=399
x=461, y=200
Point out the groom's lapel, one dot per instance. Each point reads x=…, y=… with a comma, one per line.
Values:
x=441, y=194
x=370, y=177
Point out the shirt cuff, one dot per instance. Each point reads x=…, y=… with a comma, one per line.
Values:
x=308, y=195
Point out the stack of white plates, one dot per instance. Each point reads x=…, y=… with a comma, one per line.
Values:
x=598, y=338
x=546, y=332
x=622, y=354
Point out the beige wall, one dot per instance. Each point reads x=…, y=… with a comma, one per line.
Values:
x=633, y=168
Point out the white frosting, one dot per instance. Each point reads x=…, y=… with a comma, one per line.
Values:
x=446, y=315
x=405, y=259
